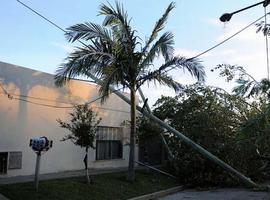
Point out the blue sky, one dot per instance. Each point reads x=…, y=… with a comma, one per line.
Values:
x=29, y=41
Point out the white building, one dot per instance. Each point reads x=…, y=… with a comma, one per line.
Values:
x=30, y=103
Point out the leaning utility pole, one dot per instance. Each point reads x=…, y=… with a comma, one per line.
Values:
x=247, y=181
x=170, y=155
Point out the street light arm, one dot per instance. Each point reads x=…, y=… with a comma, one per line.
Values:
x=227, y=16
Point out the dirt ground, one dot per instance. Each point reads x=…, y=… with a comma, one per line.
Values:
x=219, y=194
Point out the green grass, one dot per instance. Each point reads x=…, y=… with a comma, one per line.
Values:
x=106, y=186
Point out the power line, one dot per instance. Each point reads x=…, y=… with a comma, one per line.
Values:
x=222, y=42
x=21, y=98
x=79, y=79
x=4, y=90
x=266, y=43
x=45, y=18
x=230, y=37
x=198, y=55
x=38, y=98
x=66, y=107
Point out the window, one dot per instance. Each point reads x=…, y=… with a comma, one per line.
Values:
x=3, y=162
x=15, y=160
x=109, y=143
x=108, y=149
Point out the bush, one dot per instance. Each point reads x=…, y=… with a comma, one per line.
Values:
x=220, y=123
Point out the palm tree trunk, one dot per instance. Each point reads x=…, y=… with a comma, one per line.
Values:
x=86, y=166
x=131, y=167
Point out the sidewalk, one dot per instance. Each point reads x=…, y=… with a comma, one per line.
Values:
x=220, y=194
x=67, y=174
x=3, y=198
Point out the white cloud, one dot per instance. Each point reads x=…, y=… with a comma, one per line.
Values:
x=248, y=35
x=214, y=21
x=154, y=92
x=65, y=47
x=188, y=53
x=247, y=49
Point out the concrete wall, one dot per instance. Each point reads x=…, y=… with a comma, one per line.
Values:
x=20, y=120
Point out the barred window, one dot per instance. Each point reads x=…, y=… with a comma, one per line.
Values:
x=15, y=160
x=3, y=162
x=109, y=143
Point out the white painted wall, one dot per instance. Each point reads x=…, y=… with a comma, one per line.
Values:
x=20, y=121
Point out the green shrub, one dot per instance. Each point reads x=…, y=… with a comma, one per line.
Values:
x=224, y=124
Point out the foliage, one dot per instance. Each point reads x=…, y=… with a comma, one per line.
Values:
x=115, y=54
x=215, y=120
x=147, y=128
x=246, y=85
x=83, y=126
x=253, y=135
x=208, y=120
x=263, y=27
x=253, y=142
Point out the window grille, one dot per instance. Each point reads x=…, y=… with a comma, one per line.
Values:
x=109, y=143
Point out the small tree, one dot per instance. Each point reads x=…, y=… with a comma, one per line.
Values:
x=83, y=127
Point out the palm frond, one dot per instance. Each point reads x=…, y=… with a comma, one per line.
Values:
x=263, y=27
x=66, y=72
x=88, y=31
x=168, y=80
x=245, y=87
x=164, y=79
x=117, y=19
x=114, y=16
x=112, y=75
x=107, y=80
x=81, y=61
x=194, y=67
x=252, y=88
x=112, y=53
x=265, y=85
x=160, y=24
x=164, y=46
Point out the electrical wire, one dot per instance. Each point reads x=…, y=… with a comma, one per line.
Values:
x=266, y=43
x=45, y=18
x=198, y=55
x=223, y=41
x=228, y=38
x=21, y=98
x=67, y=107
x=4, y=90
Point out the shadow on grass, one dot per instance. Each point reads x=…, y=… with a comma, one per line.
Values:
x=105, y=187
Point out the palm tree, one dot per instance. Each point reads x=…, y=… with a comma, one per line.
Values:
x=116, y=55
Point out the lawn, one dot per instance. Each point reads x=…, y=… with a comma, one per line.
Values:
x=106, y=186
